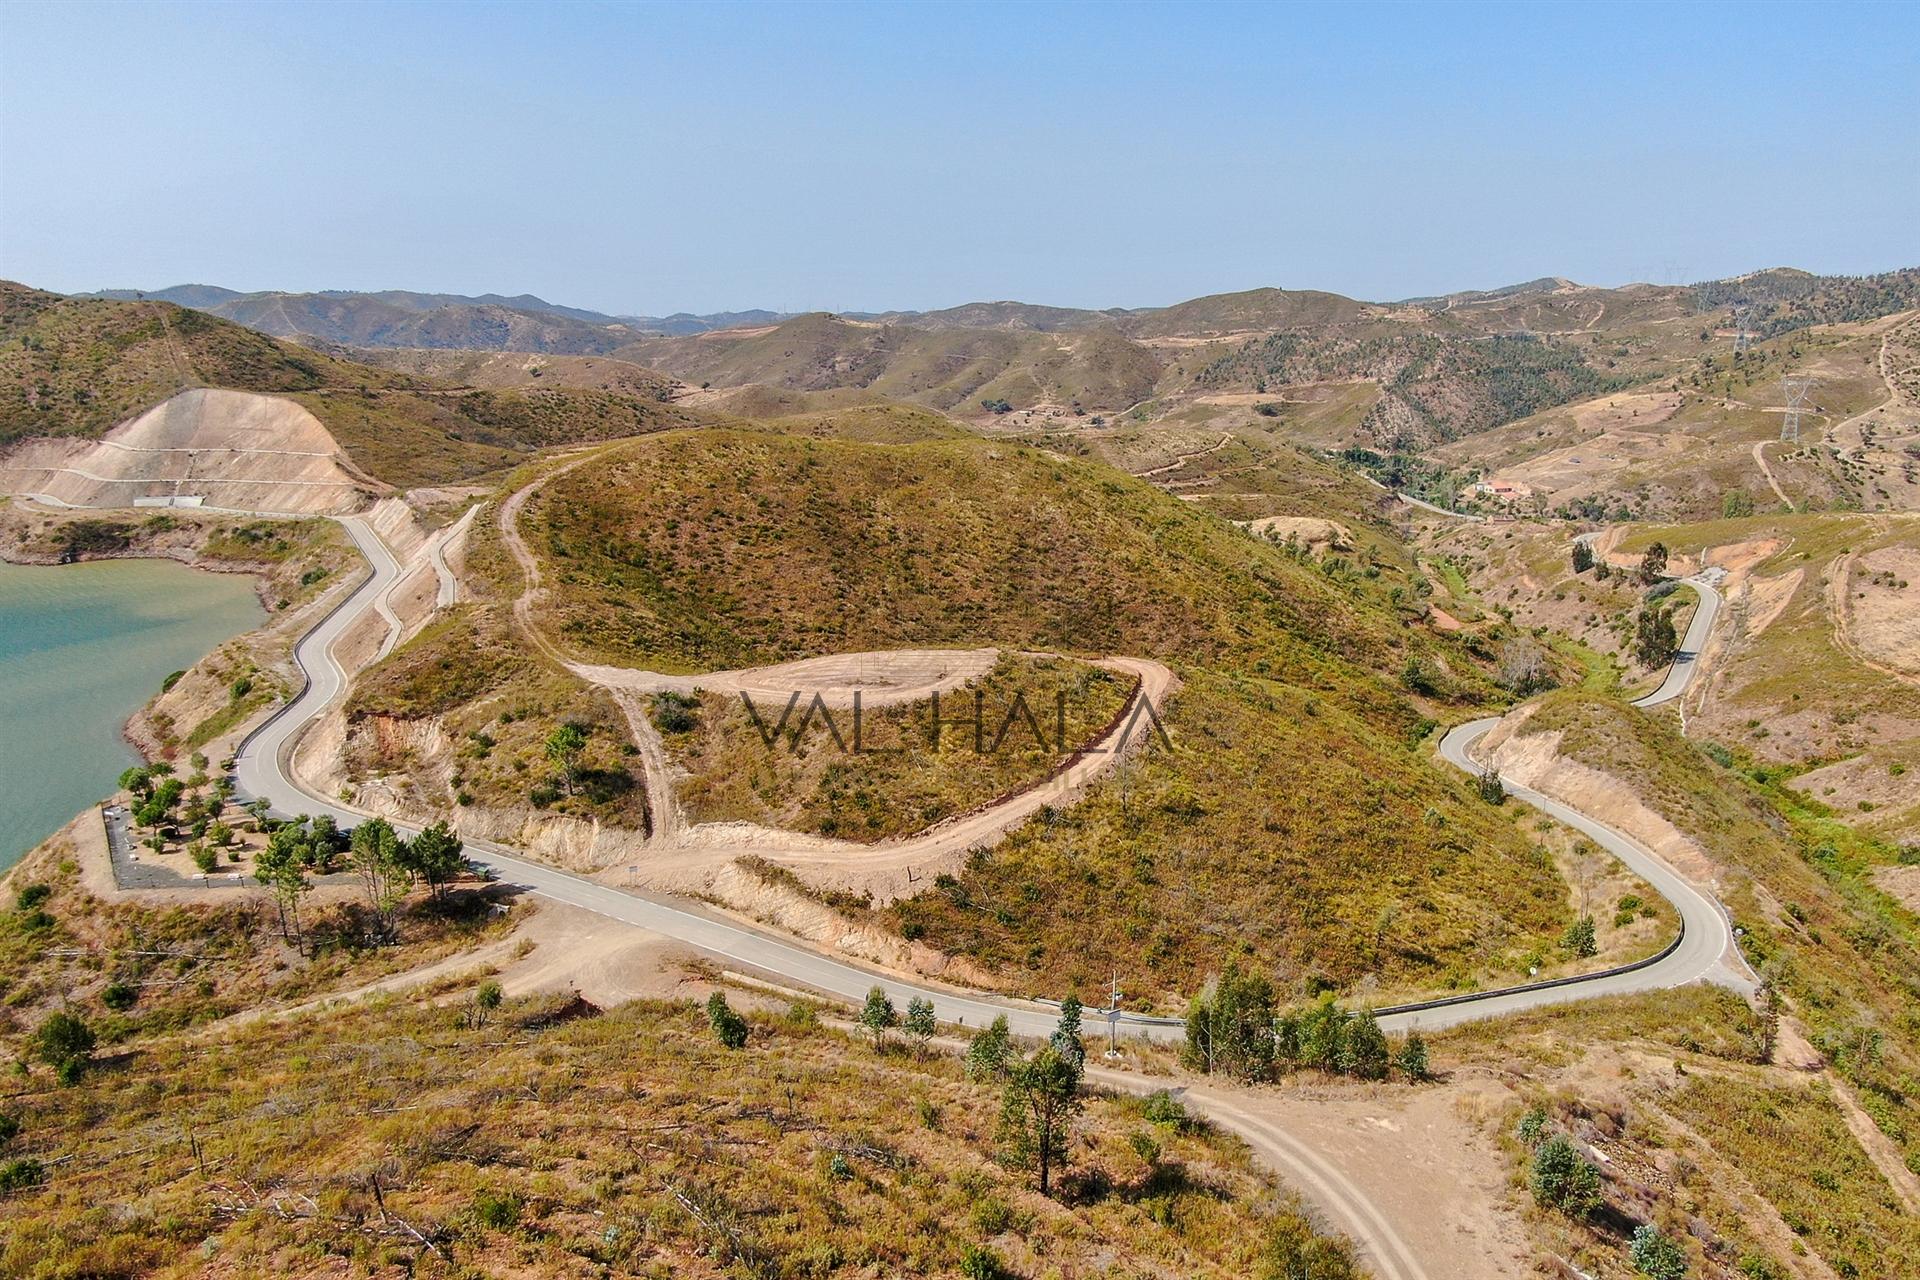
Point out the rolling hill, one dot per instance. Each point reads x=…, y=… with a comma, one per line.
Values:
x=688, y=553
x=950, y=369
x=72, y=367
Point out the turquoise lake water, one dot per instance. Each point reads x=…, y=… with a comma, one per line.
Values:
x=81, y=648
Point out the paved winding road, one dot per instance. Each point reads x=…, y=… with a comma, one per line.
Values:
x=1686, y=662
x=1705, y=951
x=262, y=769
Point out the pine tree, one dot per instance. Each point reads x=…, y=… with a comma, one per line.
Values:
x=1041, y=1098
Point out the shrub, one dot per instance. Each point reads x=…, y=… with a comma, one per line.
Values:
x=978, y=1262
x=1655, y=1255
x=32, y=895
x=1412, y=1059
x=1162, y=1108
x=119, y=996
x=65, y=1043
x=18, y=1175
x=1579, y=939
x=9, y=1128
x=729, y=1028
x=674, y=712
x=497, y=1210
x=1563, y=1179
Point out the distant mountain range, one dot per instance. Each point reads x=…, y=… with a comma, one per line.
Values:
x=1445, y=366
x=523, y=322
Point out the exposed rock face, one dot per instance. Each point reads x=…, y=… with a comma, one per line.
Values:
x=231, y=450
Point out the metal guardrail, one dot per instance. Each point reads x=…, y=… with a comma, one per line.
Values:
x=1546, y=984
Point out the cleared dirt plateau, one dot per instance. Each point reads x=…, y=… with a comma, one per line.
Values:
x=1313, y=532
x=882, y=678
x=1886, y=607
x=224, y=449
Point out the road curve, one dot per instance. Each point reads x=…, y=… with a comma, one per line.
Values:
x=1686, y=662
x=1706, y=950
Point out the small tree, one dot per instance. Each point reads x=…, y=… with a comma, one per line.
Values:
x=565, y=745
x=920, y=1024
x=1582, y=556
x=1491, y=789
x=1562, y=1179
x=379, y=859
x=204, y=856
x=1322, y=1035
x=990, y=1051
x=1066, y=1034
x=1412, y=1058
x=1365, y=1053
x=1655, y=1255
x=1523, y=667
x=729, y=1028
x=878, y=1016
x=1655, y=641
x=1579, y=938
x=64, y=1043
x=1041, y=1098
x=281, y=868
x=1653, y=565
x=1231, y=1028
x=437, y=856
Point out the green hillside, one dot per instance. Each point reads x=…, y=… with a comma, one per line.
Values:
x=78, y=367
x=1434, y=387
x=1800, y=884
x=732, y=549
x=726, y=549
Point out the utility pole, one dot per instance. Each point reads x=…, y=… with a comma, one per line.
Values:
x=1796, y=389
x=1113, y=1016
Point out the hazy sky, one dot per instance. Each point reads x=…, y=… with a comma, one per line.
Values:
x=655, y=158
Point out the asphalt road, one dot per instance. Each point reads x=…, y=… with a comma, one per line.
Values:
x=262, y=769
x=1686, y=662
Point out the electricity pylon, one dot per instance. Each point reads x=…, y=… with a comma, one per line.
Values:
x=1796, y=389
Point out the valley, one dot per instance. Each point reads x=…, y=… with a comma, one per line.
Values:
x=611, y=615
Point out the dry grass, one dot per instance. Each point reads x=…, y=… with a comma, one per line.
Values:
x=1791, y=1143
x=1799, y=883
x=1280, y=830
x=546, y=1143
x=901, y=774
x=194, y=963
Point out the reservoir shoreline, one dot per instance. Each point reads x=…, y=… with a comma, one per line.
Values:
x=72, y=672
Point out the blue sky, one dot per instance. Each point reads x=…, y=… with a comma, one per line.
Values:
x=644, y=158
